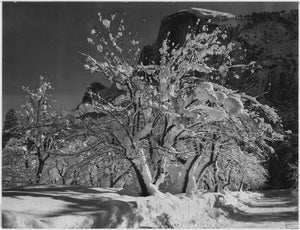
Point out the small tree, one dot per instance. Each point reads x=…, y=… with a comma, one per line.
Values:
x=37, y=128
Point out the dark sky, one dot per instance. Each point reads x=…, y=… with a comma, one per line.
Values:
x=42, y=39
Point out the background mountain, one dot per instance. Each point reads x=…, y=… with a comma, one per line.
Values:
x=94, y=93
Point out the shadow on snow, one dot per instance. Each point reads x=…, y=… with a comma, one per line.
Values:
x=100, y=207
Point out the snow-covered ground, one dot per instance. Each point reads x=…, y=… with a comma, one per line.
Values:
x=49, y=206
x=277, y=209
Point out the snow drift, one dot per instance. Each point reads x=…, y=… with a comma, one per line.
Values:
x=80, y=207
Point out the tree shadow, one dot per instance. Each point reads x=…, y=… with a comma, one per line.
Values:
x=271, y=200
x=58, y=188
x=101, y=209
x=278, y=203
x=277, y=193
x=265, y=217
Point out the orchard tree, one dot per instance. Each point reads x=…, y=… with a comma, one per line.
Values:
x=174, y=120
x=39, y=129
x=85, y=155
x=235, y=170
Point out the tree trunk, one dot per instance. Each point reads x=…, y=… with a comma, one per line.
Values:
x=216, y=187
x=212, y=159
x=216, y=182
x=42, y=157
x=206, y=184
x=74, y=179
x=40, y=170
x=225, y=186
x=187, y=177
x=111, y=180
x=240, y=189
x=141, y=169
x=203, y=170
x=144, y=190
x=228, y=180
x=91, y=179
x=26, y=163
x=161, y=170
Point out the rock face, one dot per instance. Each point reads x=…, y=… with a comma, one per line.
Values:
x=176, y=27
x=94, y=93
x=269, y=39
x=96, y=89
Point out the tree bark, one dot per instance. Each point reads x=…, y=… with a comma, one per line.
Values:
x=161, y=174
x=241, y=185
x=187, y=177
x=91, y=179
x=159, y=171
x=212, y=159
x=204, y=169
x=42, y=161
x=40, y=170
x=141, y=167
x=228, y=180
x=216, y=184
x=26, y=163
x=74, y=179
x=207, y=185
x=144, y=190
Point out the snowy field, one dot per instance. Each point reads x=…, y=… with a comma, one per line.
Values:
x=49, y=206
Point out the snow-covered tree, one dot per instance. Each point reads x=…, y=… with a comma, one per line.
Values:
x=176, y=118
x=38, y=132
